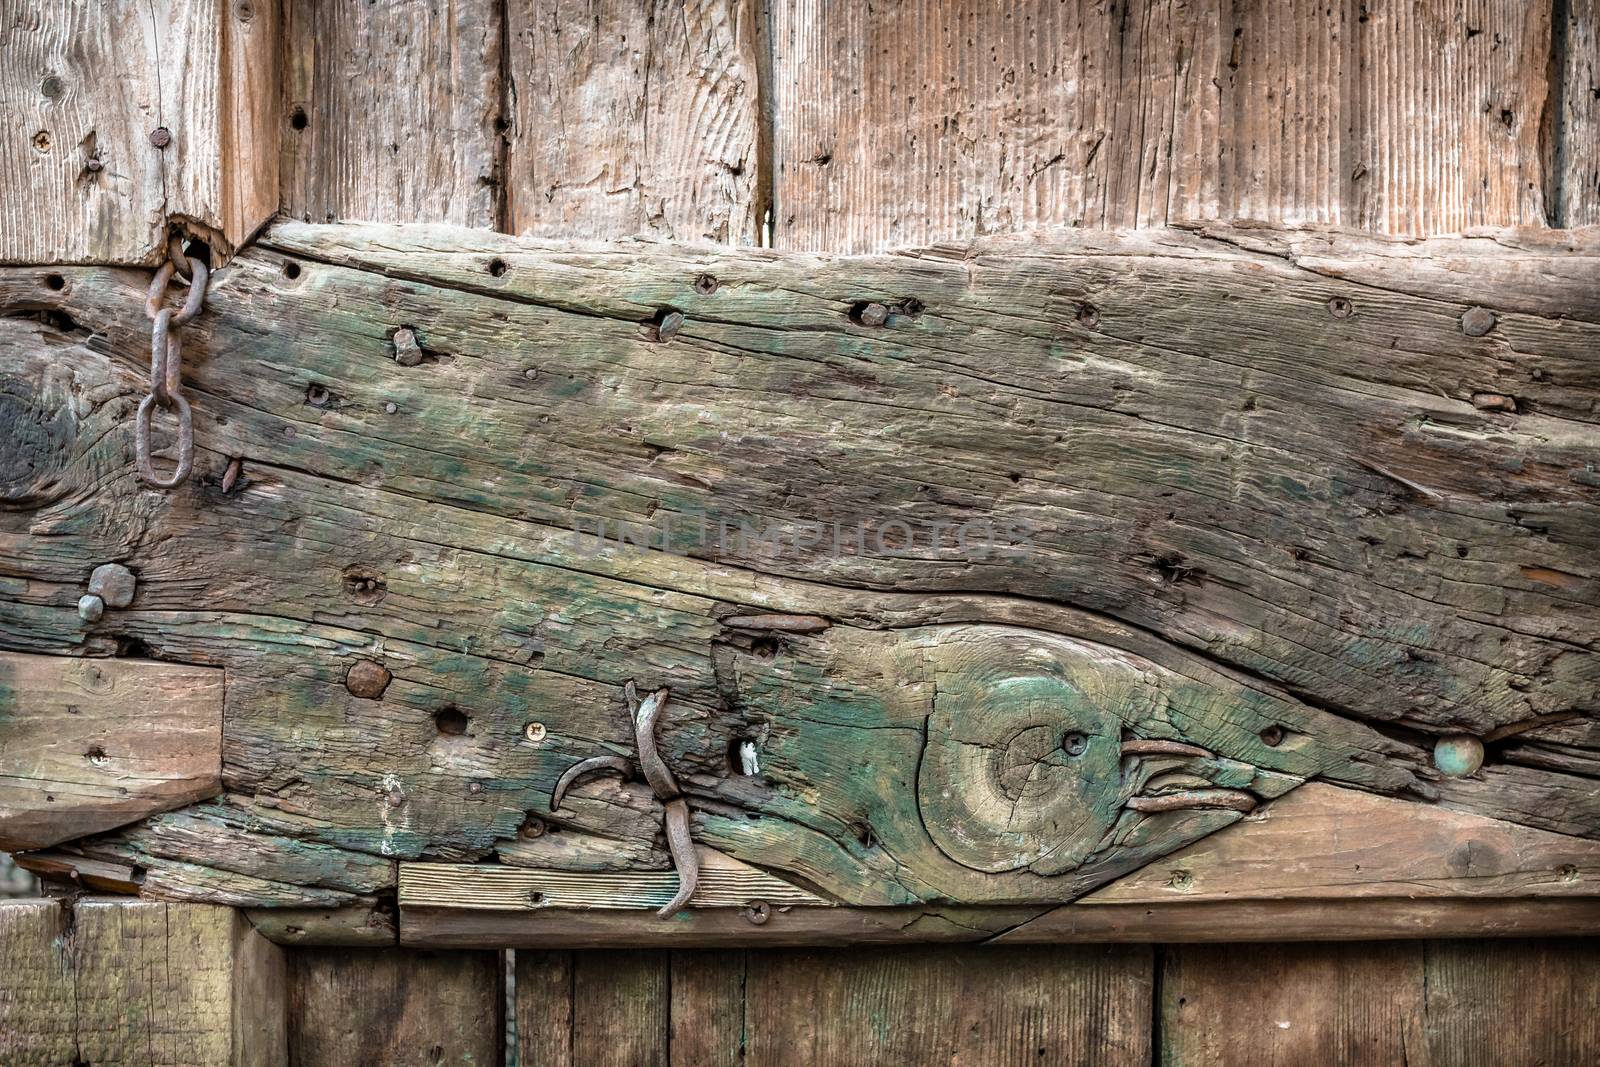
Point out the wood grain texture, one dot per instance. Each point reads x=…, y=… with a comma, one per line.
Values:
x=901, y=1006
x=1246, y=454
x=905, y=124
x=37, y=1016
x=84, y=86
x=709, y=1012
x=89, y=745
x=393, y=1007
x=1367, y=846
x=544, y=1007
x=136, y=984
x=1577, y=152
x=1430, y=1002
x=634, y=118
x=389, y=111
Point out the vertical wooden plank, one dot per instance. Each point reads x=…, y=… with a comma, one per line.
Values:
x=544, y=1008
x=36, y=1005
x=1355, y=1004
x=1000, y=1007
x=175, y=983
x=708, y=1008
x=1451, y=104
x=634, y=117
x=394, y=1006
x=1494, y=1002
x=390, y=111
x=620, y=1008
x=83, y=87
x=1577, y=159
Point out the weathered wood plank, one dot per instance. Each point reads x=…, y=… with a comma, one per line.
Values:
x=390, y=112
x=544, y=1007
x=621, y=1004
x=634, y=118
x=87, y=85
x=138, y=983
x=1577, y=151
x=904, y=124
x=900, y=1006
x=87, y=745
x=1379, y=1004
x=361, y=925
x=708, y=1008
x=1240, y=457
x=38, y=1025
x=393, y=1007
x=1366, y=846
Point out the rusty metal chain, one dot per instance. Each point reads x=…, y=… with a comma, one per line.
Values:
x=166, y=363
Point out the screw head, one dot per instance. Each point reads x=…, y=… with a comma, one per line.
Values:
x=758, y=912
x=533, y=826
x=161, y=137
x=706, y=284
x=1341, y=308
x=1075, y=743
x=535, y=732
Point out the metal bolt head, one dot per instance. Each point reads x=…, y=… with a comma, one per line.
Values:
x=669, y=326
x=535, y=732
x=1477, y=321
x=873, y=314
x=161, y=137
x=367, y=679
x=407, y=352
x=90, y=608
x=113, y=583
x=1458, y=755
x=1075, y=743
x=758, y=912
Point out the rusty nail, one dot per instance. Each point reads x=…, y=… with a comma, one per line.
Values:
x=367, y=679
x=758, y=912
x=230, y=477
x=90, y=608
x=161, y=137
x=1477, y=321
x=1181, y=880
x=535, y=732
x=1494, y=402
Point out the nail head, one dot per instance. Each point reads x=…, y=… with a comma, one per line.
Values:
x=161, y=137
x=1458, y=755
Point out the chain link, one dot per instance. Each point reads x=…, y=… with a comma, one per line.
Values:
x=166, y=363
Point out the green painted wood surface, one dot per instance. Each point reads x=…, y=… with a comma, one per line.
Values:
x=1255, y=495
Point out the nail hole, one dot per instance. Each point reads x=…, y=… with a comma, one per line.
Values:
x=743, y=757
x=291, y=270
x=363, y=585
x=869, y=313
x=297, y=118
x=1088, y=315
x=535, y=897
x=1075, y=743
x=1272, y=736
x=55, y=282
x=865, y=835
x=451, y=720
x=498, y=268
x=96, y=756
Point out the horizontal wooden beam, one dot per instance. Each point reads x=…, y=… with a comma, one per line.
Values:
x=1215, y=468
x=87, y=745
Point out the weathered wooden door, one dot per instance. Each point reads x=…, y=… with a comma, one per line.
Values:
x=766, y=533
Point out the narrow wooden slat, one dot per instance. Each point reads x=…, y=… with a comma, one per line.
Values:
x=634, y=118
x=544, y=1007
x=84, y=86
x=902, y=1006
x=37, y=1014
x=1577, y=159
x=90, y=744
x=394, y=1007
x=620, y=1009
x=390, y=111
x=1370, y=847
x=708, y=1008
